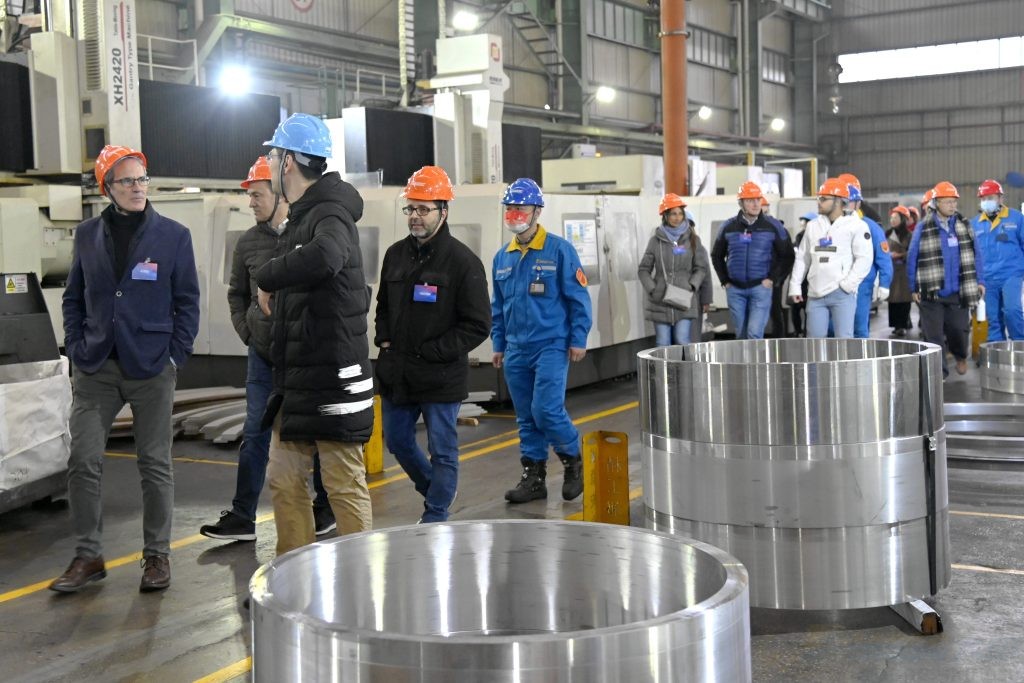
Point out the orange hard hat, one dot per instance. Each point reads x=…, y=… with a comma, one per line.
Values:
x=428, y=184
x=916, y=212
x=764, y=201
x=109, y=157
x=835, y=187
x=849, y=179
x=671, y=201
x=945, y=189
x=929, y=195
x=259, y=171
x=901, y=210
x=749, y=190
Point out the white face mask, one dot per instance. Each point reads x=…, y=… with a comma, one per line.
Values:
x=989, y=205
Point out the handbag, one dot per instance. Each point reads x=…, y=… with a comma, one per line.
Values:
x=676, y=297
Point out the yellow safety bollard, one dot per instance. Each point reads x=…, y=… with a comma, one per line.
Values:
x=373, y=451
x=606, y=477
x=979, y=333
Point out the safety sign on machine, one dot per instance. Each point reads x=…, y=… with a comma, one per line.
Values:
x=15, y=284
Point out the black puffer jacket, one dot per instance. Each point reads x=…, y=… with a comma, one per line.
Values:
x=256, y=246
x=323, y=383
x=427, y=360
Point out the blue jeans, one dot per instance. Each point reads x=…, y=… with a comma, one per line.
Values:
x=837, y=307
x=666, y=335
x=438, y=478
x=536, y=378
x=1003, y=308
x=750, y=309
x=862, y=317
x=255, y=448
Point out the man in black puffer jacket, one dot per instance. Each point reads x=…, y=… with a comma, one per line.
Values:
x=323, y=384
x=432, y=310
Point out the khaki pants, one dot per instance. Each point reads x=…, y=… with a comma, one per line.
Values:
x=344, y=477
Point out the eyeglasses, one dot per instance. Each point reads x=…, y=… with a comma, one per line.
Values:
x=270, y=156
x=142, y=180
x=420, y=211
x=825, y=198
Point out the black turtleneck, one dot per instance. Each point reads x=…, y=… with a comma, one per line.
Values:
x=122, y=229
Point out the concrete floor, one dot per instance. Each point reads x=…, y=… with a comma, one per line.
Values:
x=198, y=628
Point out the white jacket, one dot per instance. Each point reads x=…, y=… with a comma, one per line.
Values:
x=843, y=259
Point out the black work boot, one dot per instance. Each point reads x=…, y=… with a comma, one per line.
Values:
x=572, y=484
x=531, y=485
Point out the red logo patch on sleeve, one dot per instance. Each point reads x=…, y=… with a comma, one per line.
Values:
x=580, y=277
x=885, y=247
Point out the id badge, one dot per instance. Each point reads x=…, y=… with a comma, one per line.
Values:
x=426, y=294
x=746, y=237
x=536, y=288
x=951, y=241
x=146, y=270
x=678, y=250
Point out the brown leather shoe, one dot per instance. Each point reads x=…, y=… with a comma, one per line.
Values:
x=961, y=367
x=80, y=572
x=156, y=573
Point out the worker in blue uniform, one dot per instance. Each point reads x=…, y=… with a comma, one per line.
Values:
x=540, y=314
x=881, y=267
x=999, y=234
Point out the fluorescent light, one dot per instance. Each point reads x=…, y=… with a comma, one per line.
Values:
x=605, y=95
x=704, y=113
x=465, y=21
x=234, y=80
x=777, y=124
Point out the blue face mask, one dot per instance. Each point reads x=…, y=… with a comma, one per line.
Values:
x=989, y=205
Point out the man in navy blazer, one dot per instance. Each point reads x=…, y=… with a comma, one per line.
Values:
x=131, y=314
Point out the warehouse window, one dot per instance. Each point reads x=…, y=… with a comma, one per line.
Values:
x=932, y=60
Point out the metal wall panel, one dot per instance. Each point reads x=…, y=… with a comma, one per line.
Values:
x=715, y=15
x=371, y=18
x=527, y=89
x=777, y=34
x=157, y=18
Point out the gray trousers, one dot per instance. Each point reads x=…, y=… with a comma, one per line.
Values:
x=97, y=399
x=944, y=321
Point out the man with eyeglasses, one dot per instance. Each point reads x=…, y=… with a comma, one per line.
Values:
x=131, y=315
x=541, y=317
x=256, y=246
x=317, y=294
x=432, y=310
x=834, y=255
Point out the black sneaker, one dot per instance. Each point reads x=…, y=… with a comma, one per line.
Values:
x=323, y=520
x=230, y=527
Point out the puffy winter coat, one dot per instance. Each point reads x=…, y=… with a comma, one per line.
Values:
x=323, y=383
x=256, y=246
x=745, y=254
x=687, y=267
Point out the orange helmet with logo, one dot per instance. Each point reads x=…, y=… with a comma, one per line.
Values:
x=849, y=179
x=259, y=171
x=835, y=187
x=429, y=184
x=749, y=190
x=945, y=189
x=109, y=157
x=670, y=201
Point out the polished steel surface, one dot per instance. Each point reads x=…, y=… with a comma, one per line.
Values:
x=1002, y=366
x=495, y=601
x=985, y=435
x=804, y=458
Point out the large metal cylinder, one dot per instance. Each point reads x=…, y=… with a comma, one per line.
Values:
x=818, y=463
x=1002, y=366
x=487, y=602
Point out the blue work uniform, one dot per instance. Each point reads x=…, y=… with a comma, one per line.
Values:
x=540, y=308
x=881, y=267
x=1001, y=240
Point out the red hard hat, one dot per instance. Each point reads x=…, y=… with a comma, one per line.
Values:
x=945, y=189
x=835, y=187
x=988, y=187
x=671, y=201
x=849, y=179
x=901, y=210
x=428, y=184
x=749, y=190
x=109, y=157
x=259, y=171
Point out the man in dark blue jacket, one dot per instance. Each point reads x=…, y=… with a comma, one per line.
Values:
x=131, y=314
x=751, y=254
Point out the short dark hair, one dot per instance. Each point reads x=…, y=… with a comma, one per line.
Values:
x=316, y=167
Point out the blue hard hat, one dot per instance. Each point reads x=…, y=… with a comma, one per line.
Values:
x=303, y=133
x=689, y=217
x=523, y=192
x=809, y=216
x=855, y=195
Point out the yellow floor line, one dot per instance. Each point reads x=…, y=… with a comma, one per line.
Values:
x=989, y=515
x=992, y=570
x=227, y=673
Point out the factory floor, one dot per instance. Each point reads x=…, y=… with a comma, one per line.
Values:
x=198, y=629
